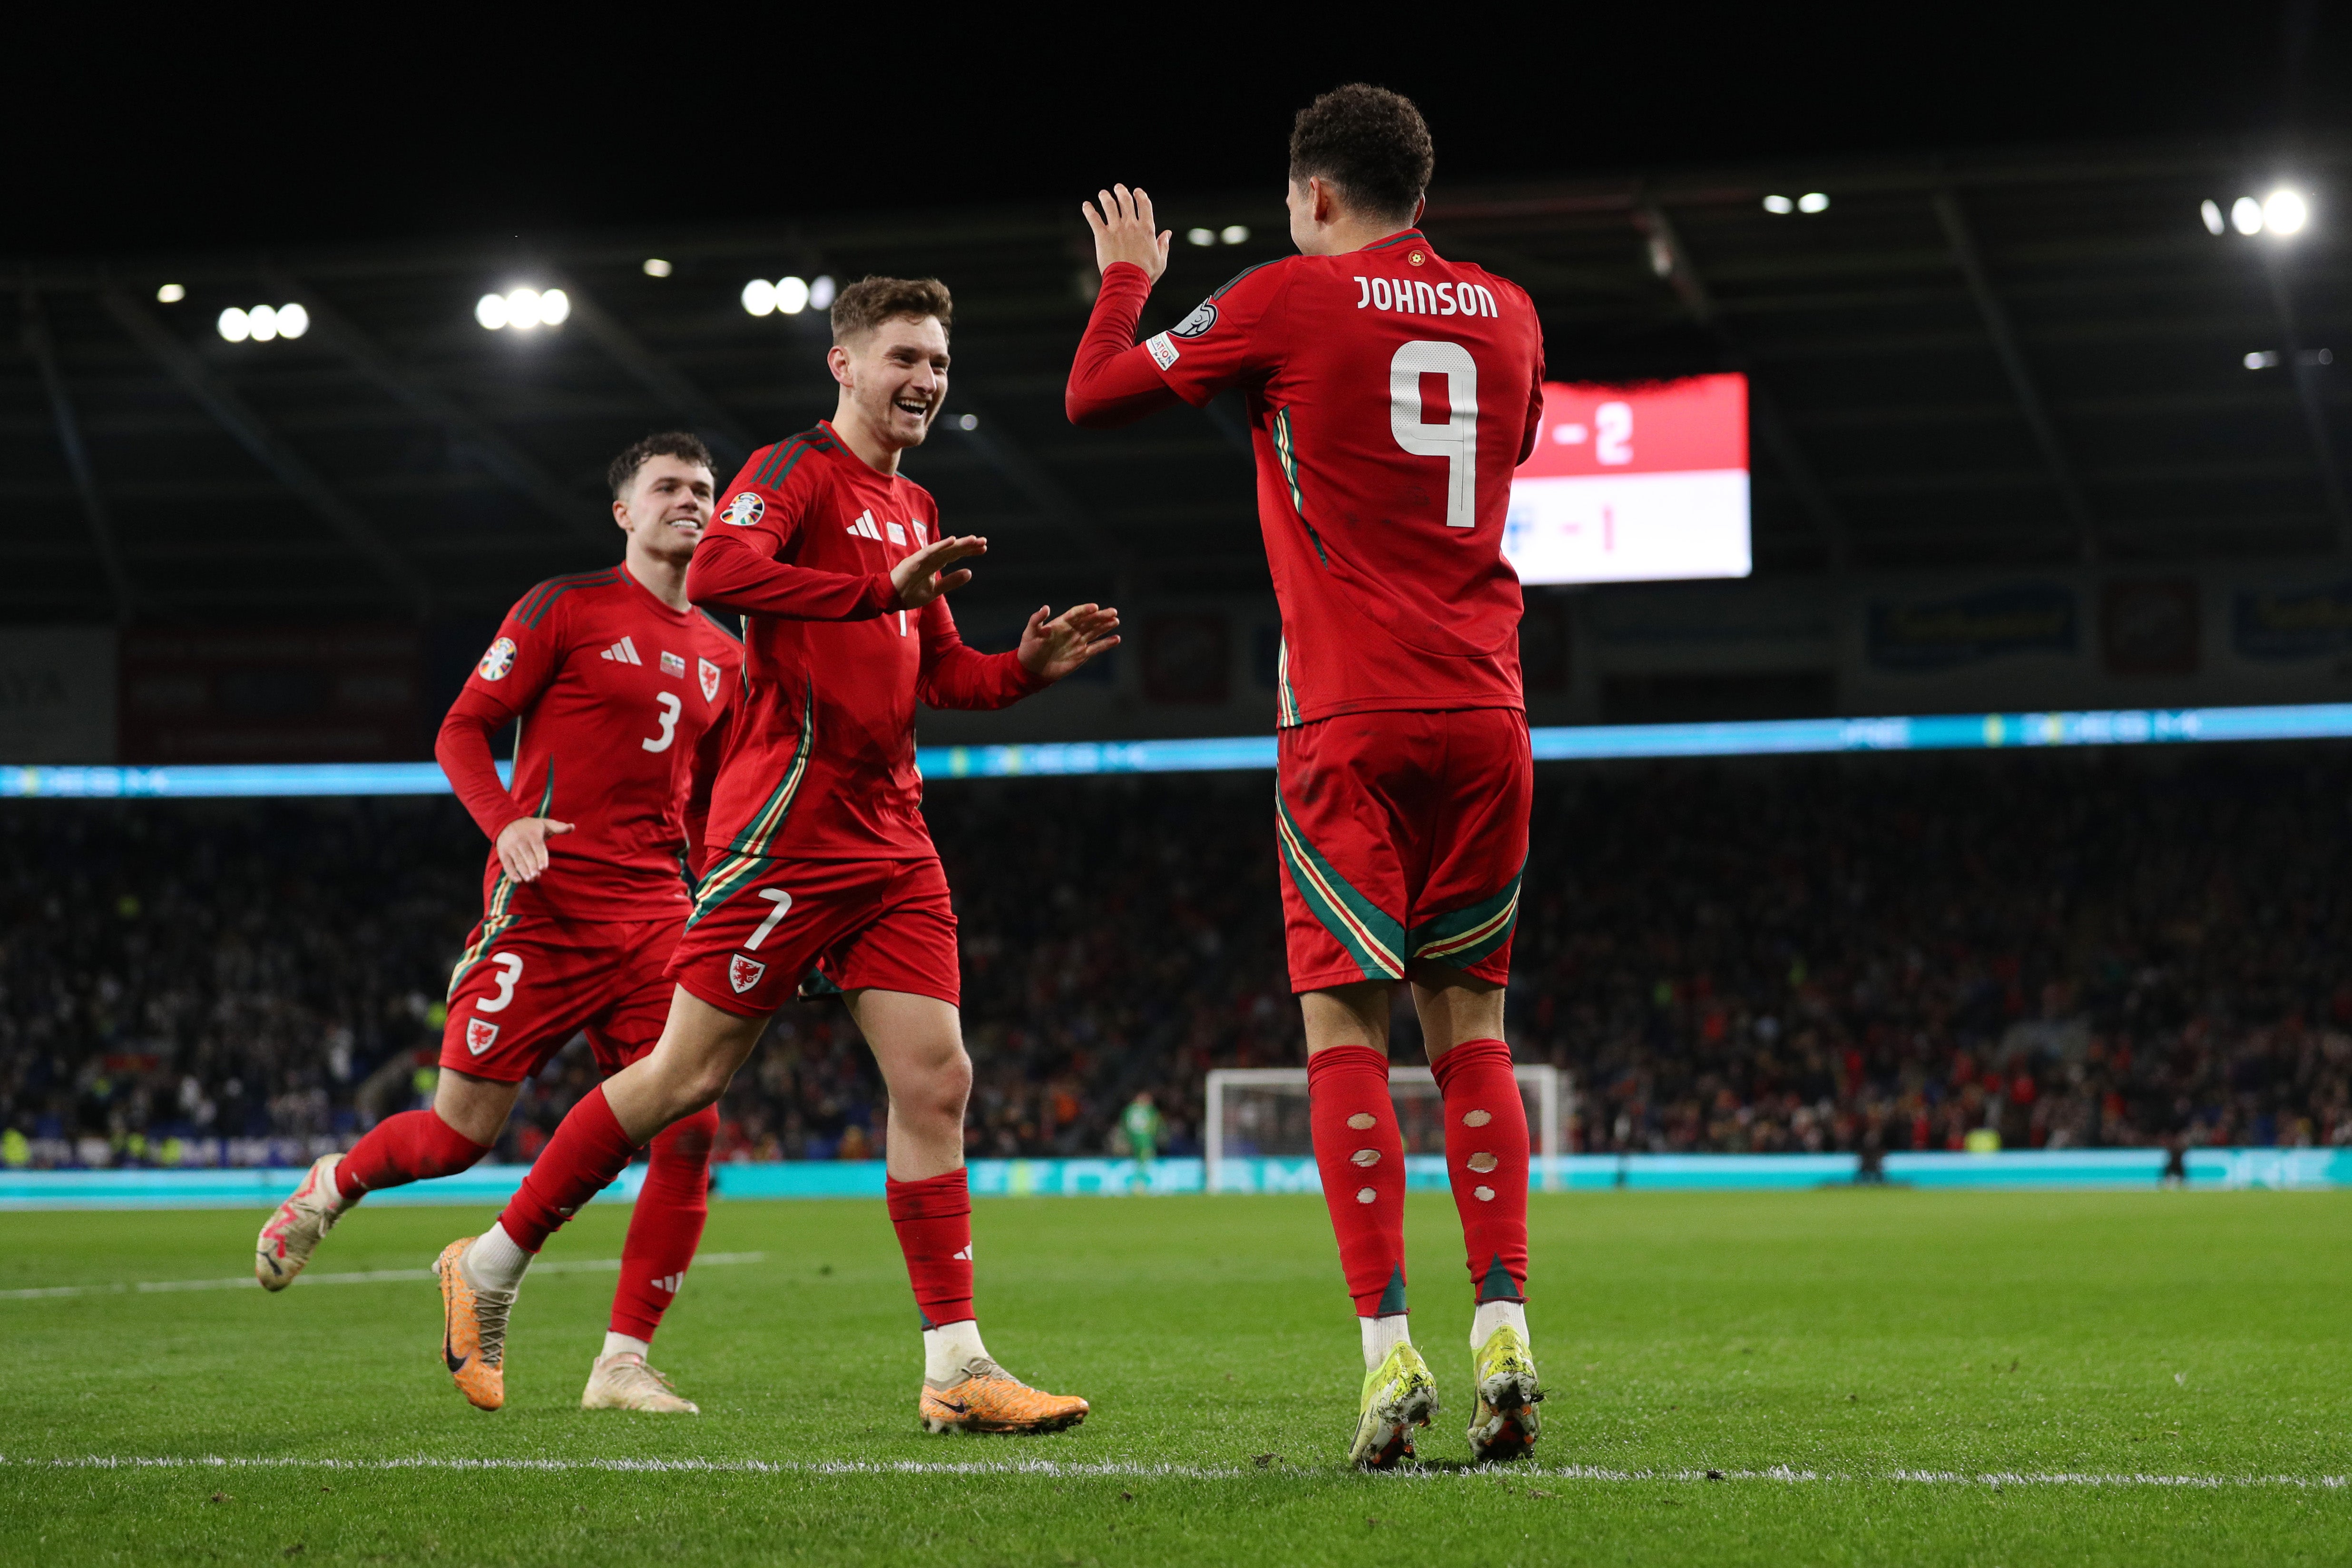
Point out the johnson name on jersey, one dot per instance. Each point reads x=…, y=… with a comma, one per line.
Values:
x=1391, y=393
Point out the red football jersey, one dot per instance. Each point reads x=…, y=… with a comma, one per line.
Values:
x=820, y=761
x=1390, y=393
x=622, y=699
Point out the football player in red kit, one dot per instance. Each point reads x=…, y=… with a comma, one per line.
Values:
x=622, y=689
x=820, y=863
x=1391, y=393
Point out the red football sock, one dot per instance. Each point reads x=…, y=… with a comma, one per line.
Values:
x=589, y=1150
x=667, y=1226
x=1487, y=1161
x=934, y=1221
x=1360, y=1153
x=413, y=1146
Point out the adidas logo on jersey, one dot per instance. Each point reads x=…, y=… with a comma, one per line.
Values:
x=622, y=652
x=867, y=528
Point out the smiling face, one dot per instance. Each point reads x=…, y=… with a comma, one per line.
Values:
x=896, y=377
x=667, y=507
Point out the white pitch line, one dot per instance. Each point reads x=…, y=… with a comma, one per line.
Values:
x=1780, y=1474
x=362, y=1276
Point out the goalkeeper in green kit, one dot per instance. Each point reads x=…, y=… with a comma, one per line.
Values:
x=1140, y=1122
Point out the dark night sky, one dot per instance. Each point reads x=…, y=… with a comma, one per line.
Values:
x=391, y=125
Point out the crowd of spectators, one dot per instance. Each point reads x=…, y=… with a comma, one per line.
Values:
x=2052, y=950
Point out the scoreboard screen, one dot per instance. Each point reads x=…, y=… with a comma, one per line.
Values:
x=1634, y=484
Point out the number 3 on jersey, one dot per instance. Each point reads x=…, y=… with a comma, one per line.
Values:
x=671, y=708
x=1457, y=440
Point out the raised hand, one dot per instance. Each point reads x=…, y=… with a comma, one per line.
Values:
x=1055, y=647
x=1123, y=231
x=921, y=577
x=522, y=845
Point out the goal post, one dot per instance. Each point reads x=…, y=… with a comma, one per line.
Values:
x=1261, y=1113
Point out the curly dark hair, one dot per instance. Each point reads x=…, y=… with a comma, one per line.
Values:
x=681, y=444
x=870, y=301
x=1370, y=144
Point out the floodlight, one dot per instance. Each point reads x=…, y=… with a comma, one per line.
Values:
x=491, y=309
x=1813, y=202
x=293, y=320
x=554, y=306
x=262, y=322
x=171, y=294
x=792, y=295
x=2246, y=215
x=1780, y=206
x=523, y=308
x=656, y=267
x=820, y=291
x=2212, y=212
x=2262, y=359
x=234, y=326
x=2284, y=211
x=1233, y=232
x=760, y=296
x=1201, y=236
x=967, y=421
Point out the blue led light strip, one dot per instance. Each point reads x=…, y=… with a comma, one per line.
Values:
x=1595, y=743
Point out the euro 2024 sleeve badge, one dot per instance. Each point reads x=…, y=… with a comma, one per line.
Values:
x=496, y=660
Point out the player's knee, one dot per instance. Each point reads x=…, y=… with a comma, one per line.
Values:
x=938, y=1099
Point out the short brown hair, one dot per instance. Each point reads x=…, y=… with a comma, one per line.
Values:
x=870, y=301
x=681, y=444
x=1369, y=143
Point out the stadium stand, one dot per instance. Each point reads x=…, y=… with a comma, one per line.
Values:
x=2094, y=949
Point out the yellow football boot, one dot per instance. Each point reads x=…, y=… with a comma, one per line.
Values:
x=987, y=1398
x=473, y=1330
x=1399, y=1396
x=1505, y=1423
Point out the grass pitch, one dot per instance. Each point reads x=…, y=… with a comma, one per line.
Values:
x=1938, y=1378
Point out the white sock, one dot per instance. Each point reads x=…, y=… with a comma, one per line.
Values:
x=1382, y=1335
x=494, y=1262
x=1493, y=1315
x=947, y=1348
x=616, y=1343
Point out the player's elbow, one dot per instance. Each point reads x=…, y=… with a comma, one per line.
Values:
x=703, y=575
x=1089, y=412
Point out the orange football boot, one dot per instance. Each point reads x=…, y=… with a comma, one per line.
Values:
x=473, y=1330
x=988, y=1398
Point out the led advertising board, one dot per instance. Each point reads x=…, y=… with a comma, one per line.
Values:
x=1634, y=484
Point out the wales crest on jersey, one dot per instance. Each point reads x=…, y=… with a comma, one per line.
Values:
x=710, y=674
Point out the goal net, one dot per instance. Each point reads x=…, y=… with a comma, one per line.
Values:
x=1260, y=1112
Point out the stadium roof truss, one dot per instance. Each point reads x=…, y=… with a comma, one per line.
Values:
x=2001, y=362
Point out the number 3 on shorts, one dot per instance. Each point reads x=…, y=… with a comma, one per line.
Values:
x=784, y=902
x=509, y=971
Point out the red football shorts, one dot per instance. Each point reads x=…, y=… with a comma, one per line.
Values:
x=760, y=928
x=521, y=991
x=1402, y=838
